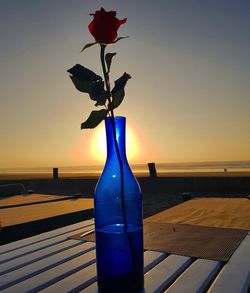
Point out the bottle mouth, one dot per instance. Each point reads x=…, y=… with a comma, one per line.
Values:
x=116, y=118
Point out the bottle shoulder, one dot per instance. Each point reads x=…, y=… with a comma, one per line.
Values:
x=111, y=178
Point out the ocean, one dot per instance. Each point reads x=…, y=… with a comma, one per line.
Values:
x=142, y=169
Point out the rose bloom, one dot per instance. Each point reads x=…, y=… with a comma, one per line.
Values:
x=104, y=26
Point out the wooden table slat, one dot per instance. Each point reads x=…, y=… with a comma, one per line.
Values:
x=152, y=258
x=44, y=236
x=84, y=278
x=27, y=259
x=53, y=275
x=74, y=282
x=235, y=275
x=47, y=264
x=41, y=245
x=164, y=274
x=197, y=277
x=90, y=289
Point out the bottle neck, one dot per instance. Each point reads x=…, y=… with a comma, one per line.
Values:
x=119, y=123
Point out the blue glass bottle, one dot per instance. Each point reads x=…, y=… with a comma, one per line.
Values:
x=118, y=218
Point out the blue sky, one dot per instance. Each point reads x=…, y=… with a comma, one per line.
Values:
x=188, y=99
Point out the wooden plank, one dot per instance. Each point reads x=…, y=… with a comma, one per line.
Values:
x=151, y=258
x=30, y=213
x=235, y=275
x=210, y=212
x=93, y=288
x=165, y=273
x=197, y=277
x=84, y=278
x=36, y=256
x=41, y=237
x=74, y=282
x=47, y=264
x=33, y=198
x=40, y=245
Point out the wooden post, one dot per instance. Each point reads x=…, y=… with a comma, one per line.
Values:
x=152, y=170
x=55, y=173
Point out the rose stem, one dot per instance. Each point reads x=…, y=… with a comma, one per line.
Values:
x=106, y=78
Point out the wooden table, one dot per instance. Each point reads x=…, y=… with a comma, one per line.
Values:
x=50, y=262
x=35, y=207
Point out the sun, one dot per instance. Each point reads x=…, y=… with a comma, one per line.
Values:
x=98, y=144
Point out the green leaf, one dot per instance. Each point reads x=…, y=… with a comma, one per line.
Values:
x=102, y=99
x=97, y=90
x=87, y=46
x=84, y=74
x=117, y=98
x=120, y=83
x=99, y=94
x=120, y=38
x=82, y=86
x=108, y=59
x=95, y=118
x=118, y=92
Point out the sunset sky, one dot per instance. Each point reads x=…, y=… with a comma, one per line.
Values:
x=188, y=99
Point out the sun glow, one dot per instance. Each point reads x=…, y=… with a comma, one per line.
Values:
x=98, y=144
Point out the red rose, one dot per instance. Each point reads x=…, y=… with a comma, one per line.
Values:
x=104, y=26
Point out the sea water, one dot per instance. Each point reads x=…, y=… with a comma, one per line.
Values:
x=72, y=171
x=119, y=258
